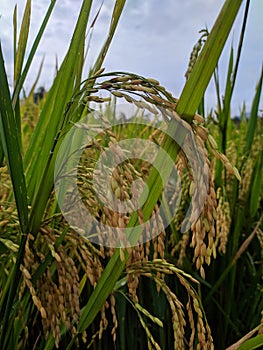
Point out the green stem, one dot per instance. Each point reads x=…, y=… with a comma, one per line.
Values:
x=12, y=291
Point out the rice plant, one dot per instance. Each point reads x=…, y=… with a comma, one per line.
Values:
x=59, y=288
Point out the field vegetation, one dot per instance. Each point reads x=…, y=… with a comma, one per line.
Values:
x=194, y=288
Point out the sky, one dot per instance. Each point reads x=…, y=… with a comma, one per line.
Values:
x=154, y=38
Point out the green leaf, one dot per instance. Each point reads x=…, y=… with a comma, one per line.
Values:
x=31, y=92
x=22, y=42
x=223, y=119
x=20, y=55
x=21, y=78
x=15, y=35
x=9, y=136
x=253, y=343
x=256, y=190
x=227, y=95
x=10, y=140
x=252, y=124
x=118, y=8
x=206, y=63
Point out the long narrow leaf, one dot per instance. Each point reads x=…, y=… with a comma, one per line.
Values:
x=240, y=44
x=22, y=42
x=224, y=118
x=15, y=36
x=256, y=190
x=254, y=113
x=207, y=60
x=254, y=343
x=31, y=92
x=23, y=75
x=19, y=57
x=10, y=141
x=114, y=22
x=9, y=137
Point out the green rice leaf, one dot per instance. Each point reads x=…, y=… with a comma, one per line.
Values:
x=253, y=343
x=228, y=94
x=252, y=124
x=207, y=61
x=10, y=141
x=31, y=92
x=119, y=5
x=22, y=42
x=20, y=55
x=21, y=77
x=9, y=136
x=256, y=190
x=15, y=35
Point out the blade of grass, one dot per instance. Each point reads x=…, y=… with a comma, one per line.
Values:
x=248, y=344
x=15, y=36
x=20, y=55
x=232, y=70
x=10, y=141
x=205, y=65
x=223, y=119
x=9, y=137
x=252, y=124
x=31, y=92
x=224, y=114
x=1, y=153
x=254, y=343
x=218, y=93
x=21, y=79
x=117, y=11
x=256, y=187
x=240, y=45
x=118, y=8
x=227, y=100
x=22, y=41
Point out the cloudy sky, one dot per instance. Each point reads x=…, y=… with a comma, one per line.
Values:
x=154, y=38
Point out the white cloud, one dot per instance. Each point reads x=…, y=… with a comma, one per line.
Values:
x=153, y=38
